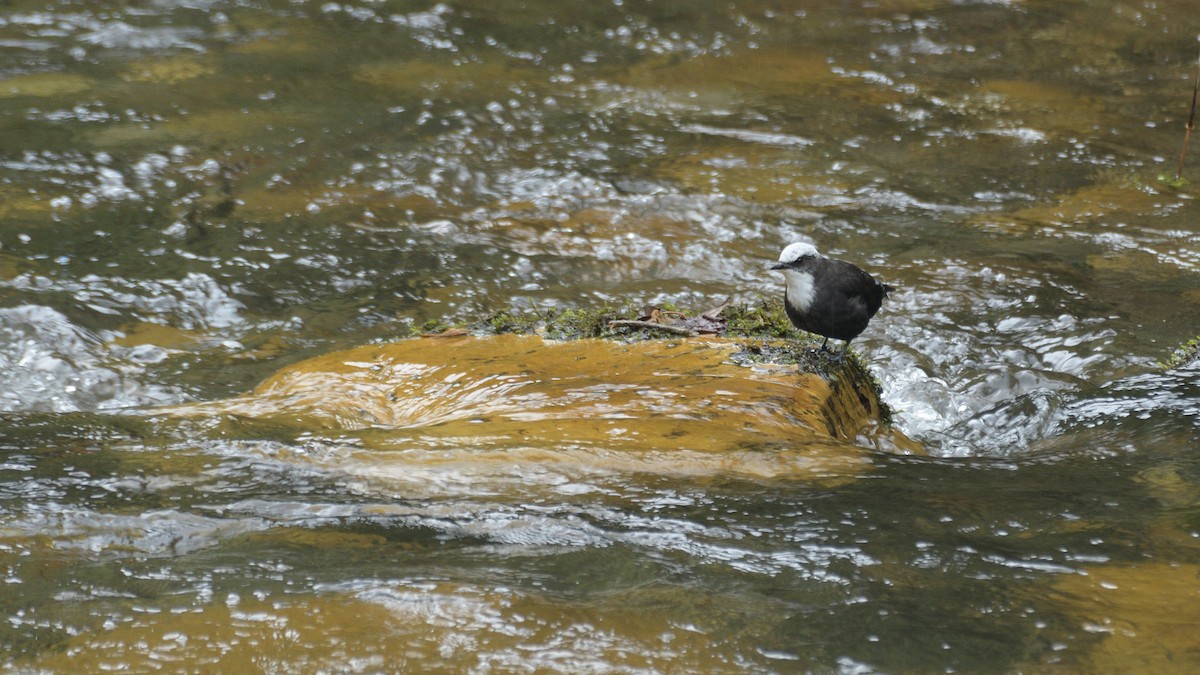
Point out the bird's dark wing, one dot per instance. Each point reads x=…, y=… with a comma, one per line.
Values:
x=852, y=283
x=849, y=298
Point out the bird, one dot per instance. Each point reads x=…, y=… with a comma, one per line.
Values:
x=831, y=298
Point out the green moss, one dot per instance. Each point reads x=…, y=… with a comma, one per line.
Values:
x=568, y=324
x=887, y=416
x=1172, y=181
x=431, y=327
x=765, y=320
x=1185, y=354
x=556, y=324
x=510, y=322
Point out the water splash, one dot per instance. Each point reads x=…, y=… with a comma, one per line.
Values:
x=50, y=364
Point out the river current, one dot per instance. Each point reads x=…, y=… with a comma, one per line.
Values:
x=197, y=193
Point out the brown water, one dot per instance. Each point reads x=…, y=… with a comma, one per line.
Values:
x=196, y=194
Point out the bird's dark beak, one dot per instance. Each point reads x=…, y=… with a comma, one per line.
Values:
x=779, y=266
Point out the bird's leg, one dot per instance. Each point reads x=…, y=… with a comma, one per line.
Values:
x=841, y=356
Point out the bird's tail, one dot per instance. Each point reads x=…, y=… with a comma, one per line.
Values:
x=887, y=289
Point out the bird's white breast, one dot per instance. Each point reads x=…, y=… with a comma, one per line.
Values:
x=800, y=289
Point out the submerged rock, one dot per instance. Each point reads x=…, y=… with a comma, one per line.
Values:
x=403, y=625
x=699, y=405
x=1139, y=617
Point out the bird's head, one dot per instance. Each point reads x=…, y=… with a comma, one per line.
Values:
x=795, y=255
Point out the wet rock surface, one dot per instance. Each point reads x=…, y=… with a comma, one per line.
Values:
x=677, y=405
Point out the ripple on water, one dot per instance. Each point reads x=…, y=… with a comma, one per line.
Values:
x=972, y=366
x=95, y=179
x=121, y=35
x=1154, y=406
x=50, y=364
x=195, y=301
x=162, y=532
x=526, y=510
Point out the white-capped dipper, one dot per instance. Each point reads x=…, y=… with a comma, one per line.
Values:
x=831, y=298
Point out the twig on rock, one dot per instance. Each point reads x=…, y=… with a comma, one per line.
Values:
x=632, y=323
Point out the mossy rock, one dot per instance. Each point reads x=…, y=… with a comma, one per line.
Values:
x=755, y=324
x=704, y=406
x=573, y=391
x=1184, y=355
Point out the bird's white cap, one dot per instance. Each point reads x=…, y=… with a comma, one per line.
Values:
x=796, y=251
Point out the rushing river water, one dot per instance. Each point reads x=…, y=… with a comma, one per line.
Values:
x=196, y=193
